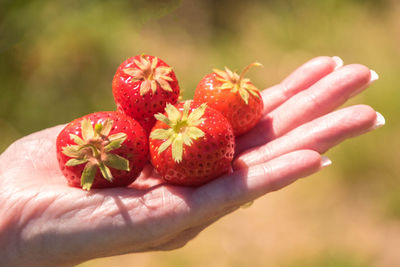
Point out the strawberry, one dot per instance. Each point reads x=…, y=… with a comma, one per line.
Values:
x=102, y=149
x=191, y=144
x=234, y=96
x=142, y=86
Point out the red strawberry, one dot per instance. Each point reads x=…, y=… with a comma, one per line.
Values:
x=191, y=144
x=234, y=96
x=103, y=149
x=142, y=86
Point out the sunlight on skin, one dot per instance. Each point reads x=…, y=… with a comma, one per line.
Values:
x=329, y=130
x=41, y=213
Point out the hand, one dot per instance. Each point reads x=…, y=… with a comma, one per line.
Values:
x=44, y=222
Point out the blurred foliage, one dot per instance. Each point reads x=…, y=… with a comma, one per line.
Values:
x=57, y=60
x=329, y=259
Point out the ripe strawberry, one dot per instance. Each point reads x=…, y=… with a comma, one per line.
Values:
x=191, y=144
x=234, y=96
x=109, y=141
x=142, y=86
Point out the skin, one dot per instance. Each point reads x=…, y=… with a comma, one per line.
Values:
x=40, y=213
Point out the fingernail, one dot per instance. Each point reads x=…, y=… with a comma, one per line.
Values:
x=325, y=161
x=374, y=76
x=338, y=62
x=380, y=121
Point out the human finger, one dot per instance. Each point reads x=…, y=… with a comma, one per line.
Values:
x=320, y=135
x=322, y=97
x=225, y=195
x=299, y=80
x=248, y=184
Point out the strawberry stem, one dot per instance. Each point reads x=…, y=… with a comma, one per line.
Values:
x=93, y=149
x=182, y=128
x=151, y=75
x=246, y=69
x=237, y=83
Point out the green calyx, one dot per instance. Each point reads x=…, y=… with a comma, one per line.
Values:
x=93, y=149
x=182, y=128
x=237, y=83
x=150, y=74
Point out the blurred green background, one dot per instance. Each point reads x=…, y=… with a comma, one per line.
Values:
x=57, y=60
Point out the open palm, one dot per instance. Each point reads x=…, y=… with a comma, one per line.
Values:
x=44, y=222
